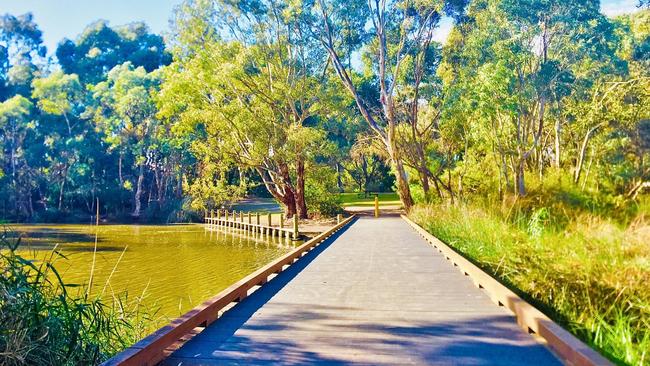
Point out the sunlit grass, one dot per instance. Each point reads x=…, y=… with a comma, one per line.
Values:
x=359, y=199
x=592, y=275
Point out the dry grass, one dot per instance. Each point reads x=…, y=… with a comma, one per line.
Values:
x=592, y=274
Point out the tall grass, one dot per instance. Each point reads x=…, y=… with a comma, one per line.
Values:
x=589, y=273
x=44, y=321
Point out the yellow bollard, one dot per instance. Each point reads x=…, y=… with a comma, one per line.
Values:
x=376, y=205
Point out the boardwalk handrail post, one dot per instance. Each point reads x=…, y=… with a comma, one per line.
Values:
x=281, y=221
x=249, y=218
x=295, y=227
x=218, y=217
x=377, y=205
x=268, y=218
x=257, y=221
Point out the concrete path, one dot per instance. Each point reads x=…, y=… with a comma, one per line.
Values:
x=374, y=294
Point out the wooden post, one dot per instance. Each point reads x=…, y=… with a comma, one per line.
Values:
x=376, y=205
x=295, y=227
x=281, y=220
x=257, y=221
x=218, y=217
x=226, y=217
x=250, y=220
x=268, y=218
x=338, y=218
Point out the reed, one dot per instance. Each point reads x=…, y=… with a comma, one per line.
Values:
x=45, y=321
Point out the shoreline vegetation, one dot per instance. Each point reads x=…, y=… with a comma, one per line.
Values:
x=589, y=273
x=46, y=321
x=522, y=140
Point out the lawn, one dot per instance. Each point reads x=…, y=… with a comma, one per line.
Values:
x=358, y=199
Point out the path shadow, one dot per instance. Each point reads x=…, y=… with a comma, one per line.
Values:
x=294, y=334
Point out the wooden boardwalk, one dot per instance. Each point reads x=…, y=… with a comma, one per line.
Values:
x=374, y=293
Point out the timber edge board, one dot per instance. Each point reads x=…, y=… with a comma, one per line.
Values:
x=154, y=348
x=566, y=346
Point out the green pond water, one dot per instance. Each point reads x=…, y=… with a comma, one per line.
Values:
x=174, y=267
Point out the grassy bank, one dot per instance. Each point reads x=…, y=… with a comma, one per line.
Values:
x=359, y=199
x=44, y=321
x=591, y=274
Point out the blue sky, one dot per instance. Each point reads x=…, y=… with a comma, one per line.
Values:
x=67, y=18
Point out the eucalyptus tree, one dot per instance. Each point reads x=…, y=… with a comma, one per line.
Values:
x=254, y=91
x=100, y=47
x=400, y=54
x=22, y=53
x=15, y=124
x=61, y=95
x=514, y=60
x=126, y=112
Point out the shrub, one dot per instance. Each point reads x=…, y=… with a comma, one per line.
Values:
x=319, y=188
x=43, y=323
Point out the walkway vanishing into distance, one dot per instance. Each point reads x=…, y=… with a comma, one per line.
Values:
x=374, y=293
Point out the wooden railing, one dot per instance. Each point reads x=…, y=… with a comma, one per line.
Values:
x=570, y=349
x=252, y=222
x=154, y=348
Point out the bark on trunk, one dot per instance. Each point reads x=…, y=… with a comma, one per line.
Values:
x=519, y=179
x=301, y=205
x=557, y=159
x=61, y=190
x=583, y=152
x=138, y=192
x=402, y=184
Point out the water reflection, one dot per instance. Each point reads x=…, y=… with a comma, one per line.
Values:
x=174, y=267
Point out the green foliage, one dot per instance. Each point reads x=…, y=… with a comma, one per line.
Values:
x=99, y=48
x=43, y=322
x=320, y=193
x=591, y=275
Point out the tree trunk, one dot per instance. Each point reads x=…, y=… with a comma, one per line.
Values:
x=61, y=190
x=301, y=205
x=119, y=170
x=339, y=177
x=402, y=184
x=138, y=192
x=519, y=178
x=557, y=159
x=583, y=152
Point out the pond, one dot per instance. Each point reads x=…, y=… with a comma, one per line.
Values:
x=173, y=267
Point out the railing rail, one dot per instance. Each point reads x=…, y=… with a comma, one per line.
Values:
x=157, y=346
x=252, y=222
x=570, y=349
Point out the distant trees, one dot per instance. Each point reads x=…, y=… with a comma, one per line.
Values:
x=308, y=98
x=99, y=48
x=87, y=131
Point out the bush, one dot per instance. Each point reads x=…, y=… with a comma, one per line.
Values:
x=319, y=188
x=43, y=323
